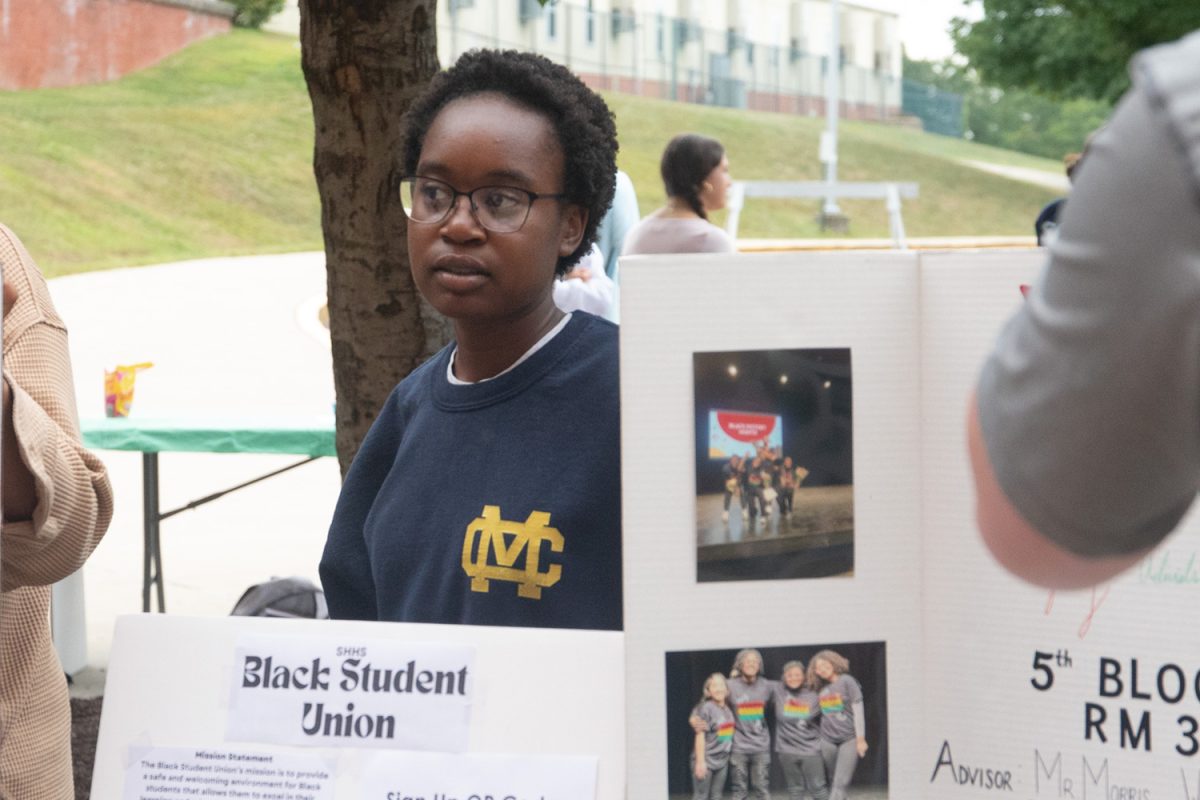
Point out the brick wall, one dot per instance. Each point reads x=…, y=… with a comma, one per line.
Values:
x=47, y=43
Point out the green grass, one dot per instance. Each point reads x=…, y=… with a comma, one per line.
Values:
x=207, y=154
x=955, y=200
x=210, y=154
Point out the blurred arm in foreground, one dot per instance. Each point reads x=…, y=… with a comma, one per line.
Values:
x=57, y=503
x=1085, y=428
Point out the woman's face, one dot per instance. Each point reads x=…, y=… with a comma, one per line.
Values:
x=750, y=666
x=793, y=678
x=717, y=690
x=715, y=187
x=823, y=669
x=464, y=270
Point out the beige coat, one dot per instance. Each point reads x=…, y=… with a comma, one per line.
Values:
x=73, y=510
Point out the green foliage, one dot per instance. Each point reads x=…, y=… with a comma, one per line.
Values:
x=945, y=75
x=1014, y=119
x=1068, y=48
x=1031, y=123
x=253, y=13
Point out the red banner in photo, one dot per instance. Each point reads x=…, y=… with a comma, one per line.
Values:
x=746, y=427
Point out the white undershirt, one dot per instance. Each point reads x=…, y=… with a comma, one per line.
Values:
x=538, y=345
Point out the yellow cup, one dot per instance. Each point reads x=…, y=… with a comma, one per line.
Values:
x=118, y=388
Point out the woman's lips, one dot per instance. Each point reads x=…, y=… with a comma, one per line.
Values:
x=459, y=273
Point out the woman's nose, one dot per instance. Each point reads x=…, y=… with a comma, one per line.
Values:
x=462, y=217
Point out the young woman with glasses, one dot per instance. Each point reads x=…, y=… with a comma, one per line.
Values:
x=479, y=496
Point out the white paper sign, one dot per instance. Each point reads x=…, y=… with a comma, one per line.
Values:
x=330, y=692
x=442, y=776
x=171, y=773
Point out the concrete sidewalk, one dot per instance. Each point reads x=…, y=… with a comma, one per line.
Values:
x=235, y=337
x=1056, y=182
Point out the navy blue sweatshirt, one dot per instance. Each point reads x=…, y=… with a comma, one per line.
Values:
x=496, y=503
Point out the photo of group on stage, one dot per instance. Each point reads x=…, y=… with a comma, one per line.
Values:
x=774, y=464
x=803, y=721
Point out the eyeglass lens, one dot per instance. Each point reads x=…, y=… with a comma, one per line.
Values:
x=501, y=209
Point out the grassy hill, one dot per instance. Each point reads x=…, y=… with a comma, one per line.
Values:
x=210, y=154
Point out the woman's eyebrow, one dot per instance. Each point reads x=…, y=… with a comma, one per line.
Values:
x=496, y=177
x=431, y=168
x=510, y=176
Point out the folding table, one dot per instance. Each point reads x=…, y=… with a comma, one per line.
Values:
x=312, y=438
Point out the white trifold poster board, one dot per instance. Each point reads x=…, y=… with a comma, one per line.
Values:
x=858, y=367
x=245, y=707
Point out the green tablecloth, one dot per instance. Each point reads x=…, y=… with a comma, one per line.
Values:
x=312, y=437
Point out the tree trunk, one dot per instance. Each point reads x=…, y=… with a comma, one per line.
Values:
x=364, y=62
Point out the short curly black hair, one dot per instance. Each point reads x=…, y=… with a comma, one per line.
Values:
x=582, y=122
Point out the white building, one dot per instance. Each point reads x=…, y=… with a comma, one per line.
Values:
x=760, y=54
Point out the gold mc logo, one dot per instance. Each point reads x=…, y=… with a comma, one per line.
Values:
x=489, y=534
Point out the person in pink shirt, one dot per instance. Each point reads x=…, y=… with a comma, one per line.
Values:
x=695, y=171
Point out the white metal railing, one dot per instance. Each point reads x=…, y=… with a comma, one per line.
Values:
x=890, y=193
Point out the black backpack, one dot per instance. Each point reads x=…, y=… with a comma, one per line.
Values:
x=283, y=597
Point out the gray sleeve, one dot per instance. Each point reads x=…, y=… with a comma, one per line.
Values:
x=1090, y=404
x=860, y=720
x=617, y=223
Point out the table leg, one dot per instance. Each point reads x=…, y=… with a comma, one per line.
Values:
x=151, y=543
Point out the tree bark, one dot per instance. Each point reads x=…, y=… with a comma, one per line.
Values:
x=364, y=62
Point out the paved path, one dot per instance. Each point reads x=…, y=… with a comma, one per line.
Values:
x=1047, y=180
x=235, y=336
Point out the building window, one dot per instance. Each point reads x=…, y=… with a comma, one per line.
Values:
x=623, y=22
x=733, y=40
x=551, y=21
x=527, y=9
x=591, y=22
x=660, y=35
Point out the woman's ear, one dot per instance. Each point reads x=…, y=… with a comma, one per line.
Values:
x=574, y=220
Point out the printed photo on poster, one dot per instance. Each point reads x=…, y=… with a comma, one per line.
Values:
x=774, y=464
x=796, y=721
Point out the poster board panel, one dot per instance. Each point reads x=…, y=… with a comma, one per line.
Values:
x=541, y=701
x=678, y=309
x=1091, y=693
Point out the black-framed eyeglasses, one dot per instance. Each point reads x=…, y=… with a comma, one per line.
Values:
x=500, y=209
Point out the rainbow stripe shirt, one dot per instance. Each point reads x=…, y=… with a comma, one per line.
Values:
x=749, y=712
x=795, y=709
x=725, y=732
x=832, y=704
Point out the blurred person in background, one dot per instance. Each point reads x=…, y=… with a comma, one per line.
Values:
x=695, y=171
x=1046, y=224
